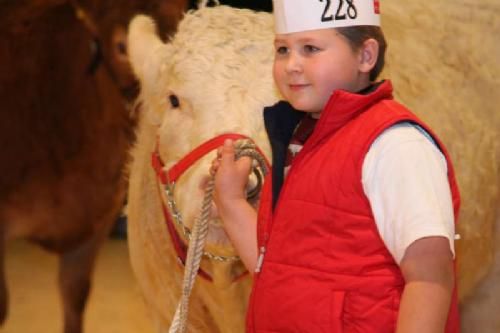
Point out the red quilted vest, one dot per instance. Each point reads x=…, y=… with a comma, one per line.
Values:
x=325, y=267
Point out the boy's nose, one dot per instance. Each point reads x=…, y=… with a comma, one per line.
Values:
x=293, y=63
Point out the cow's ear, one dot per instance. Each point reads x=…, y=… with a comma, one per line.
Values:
x=147, y=52
x=148, y=56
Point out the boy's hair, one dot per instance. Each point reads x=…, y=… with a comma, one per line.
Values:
x=356, y=36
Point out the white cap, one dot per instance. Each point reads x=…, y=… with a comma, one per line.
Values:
x=301, y=15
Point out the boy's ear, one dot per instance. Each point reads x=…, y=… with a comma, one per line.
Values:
x=368, y=55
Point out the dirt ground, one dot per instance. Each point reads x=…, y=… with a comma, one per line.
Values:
x=115, y=305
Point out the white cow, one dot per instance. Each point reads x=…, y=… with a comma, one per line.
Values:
x=214, y=77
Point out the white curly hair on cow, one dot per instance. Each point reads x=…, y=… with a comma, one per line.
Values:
x=212, y=77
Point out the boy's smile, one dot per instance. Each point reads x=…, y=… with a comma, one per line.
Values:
x=297, y=87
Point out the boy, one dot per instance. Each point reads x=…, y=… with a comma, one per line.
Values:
x=359, y=238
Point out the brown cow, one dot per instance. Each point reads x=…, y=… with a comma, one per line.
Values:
x=65, y=129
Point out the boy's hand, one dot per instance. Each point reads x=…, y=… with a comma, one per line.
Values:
x=231, y=177
x=239, y=217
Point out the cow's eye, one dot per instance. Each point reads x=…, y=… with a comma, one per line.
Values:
x=174, y=101
x=122, y=48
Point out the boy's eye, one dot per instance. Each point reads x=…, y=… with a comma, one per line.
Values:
x=281, y=50
x=310, y=49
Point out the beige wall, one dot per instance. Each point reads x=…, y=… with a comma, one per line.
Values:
x=444, y=60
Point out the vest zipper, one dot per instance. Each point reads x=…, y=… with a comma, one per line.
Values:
x=260, y=259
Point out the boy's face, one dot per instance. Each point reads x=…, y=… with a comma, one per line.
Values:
x=310, y=65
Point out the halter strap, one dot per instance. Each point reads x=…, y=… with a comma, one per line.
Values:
x=174, y=173
x=192, y=157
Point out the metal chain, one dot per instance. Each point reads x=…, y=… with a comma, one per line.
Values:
x=244, y=147
x=172, y=206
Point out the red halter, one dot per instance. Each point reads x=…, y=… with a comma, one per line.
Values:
x=174, y=173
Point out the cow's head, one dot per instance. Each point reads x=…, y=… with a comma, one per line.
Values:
x=106, y=23
x=212, y=77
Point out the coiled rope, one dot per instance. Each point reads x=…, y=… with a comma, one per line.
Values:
x=243, y=147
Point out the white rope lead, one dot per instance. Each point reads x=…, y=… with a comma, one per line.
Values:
x=199, y=236
x=195, y=251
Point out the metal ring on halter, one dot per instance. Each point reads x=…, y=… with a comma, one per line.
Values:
x=253, y=192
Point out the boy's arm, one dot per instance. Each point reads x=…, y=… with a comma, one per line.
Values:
x=238, y=216
x=240, y=223
x=427, y=267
